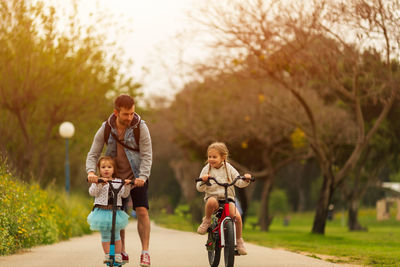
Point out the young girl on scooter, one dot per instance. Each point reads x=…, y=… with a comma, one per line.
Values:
x=218, y=167
x=100, y=218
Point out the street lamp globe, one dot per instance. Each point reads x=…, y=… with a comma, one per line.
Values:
x=66, y=129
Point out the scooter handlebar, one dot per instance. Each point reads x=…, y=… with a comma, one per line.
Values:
x=101, y=180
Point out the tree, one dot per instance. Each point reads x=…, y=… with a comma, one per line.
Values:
x=380, y=155
x=166, y=151
x=259, y=141
x=49, y=76
x=306, y=47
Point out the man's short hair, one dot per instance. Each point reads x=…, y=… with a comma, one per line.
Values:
x=123, y=101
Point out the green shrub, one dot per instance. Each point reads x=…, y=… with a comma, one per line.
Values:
x=254, y=208
x=32, y=216
x=278, y=202
x=160, y=205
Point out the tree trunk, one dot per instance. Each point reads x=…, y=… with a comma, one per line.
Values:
x=265, y=218
x=186, y=172
x=302, y=200
x=322, y=206
x=353, y=223
x=301, y=168
x=356, y=193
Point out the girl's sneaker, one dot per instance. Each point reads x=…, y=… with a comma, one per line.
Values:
x=240, y=246
x=204, y=226
x=106, y=258
x=118, y=258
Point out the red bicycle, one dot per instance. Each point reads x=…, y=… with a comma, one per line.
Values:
x=222, y=232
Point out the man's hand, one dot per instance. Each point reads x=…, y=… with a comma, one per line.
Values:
x=92, y=177
x=138, y=183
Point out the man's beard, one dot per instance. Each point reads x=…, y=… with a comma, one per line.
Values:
x=124, y=122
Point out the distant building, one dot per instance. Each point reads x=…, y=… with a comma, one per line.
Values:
x=383, y=205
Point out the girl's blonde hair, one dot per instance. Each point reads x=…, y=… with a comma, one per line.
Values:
x=222, y=149
x=107, y=158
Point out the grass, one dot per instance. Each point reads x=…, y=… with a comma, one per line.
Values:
x=180, y=220
x=379, y=246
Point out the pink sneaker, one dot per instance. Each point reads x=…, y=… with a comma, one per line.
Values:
x=240, y=246
x=145, y=260
x=204, y=226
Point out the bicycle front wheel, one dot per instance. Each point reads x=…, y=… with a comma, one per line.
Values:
x=229, y=249
x=214, y=254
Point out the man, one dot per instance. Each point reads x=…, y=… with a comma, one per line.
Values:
x=133, y=161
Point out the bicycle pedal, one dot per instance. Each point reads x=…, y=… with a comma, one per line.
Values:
x=210, y=246
x=237, y=252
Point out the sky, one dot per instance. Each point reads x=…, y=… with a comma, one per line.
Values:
x=152, y=24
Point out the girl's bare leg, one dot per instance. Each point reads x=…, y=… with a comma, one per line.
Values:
x=211, y=206
x=234, y=212
x=106, y=247
x=122, y=234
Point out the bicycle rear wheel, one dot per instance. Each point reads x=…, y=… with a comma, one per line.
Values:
x=214, y=255
x=229, y=249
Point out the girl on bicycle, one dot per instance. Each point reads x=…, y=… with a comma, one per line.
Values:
x=218, y=167
x=100, y=218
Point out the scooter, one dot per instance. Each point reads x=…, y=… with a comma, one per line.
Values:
x=115, y=191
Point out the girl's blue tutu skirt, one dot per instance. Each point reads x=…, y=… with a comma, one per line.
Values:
x=101, y=220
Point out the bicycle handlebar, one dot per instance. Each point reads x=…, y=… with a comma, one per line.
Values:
x=252, y=179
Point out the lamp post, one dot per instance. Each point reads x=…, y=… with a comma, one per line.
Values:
x=66, y=131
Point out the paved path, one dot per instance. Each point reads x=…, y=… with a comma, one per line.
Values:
x=167, y=248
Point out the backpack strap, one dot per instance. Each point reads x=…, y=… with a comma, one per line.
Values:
x=123, y=144
x=136, y=135
x=107, y=131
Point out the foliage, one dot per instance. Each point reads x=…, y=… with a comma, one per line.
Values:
x=160, y=205
x=395, y=177
x=52, y=73
x=298, y=138
x=279, y=202
x=305, y=51
x=30, y=216
x=254, y=208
